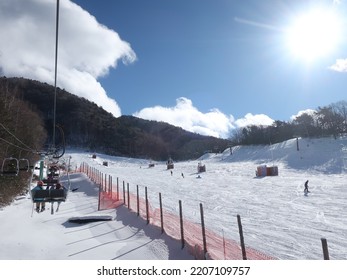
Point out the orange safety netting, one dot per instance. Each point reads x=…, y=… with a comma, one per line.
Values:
x=218, y=248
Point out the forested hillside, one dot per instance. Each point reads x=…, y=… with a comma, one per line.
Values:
x=324, y=121
x=88, y=126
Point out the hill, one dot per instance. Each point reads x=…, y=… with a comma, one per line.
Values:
x=277, y=218
x=89, y=126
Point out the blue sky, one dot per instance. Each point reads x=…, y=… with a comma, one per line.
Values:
x=206, y=65
x=198, y=49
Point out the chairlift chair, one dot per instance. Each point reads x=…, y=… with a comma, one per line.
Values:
x=10, y=167
x=50, y=195
x=23, y=164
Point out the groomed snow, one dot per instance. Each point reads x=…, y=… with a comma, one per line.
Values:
x=278, y=219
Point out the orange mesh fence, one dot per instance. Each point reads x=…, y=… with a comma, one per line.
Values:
x=218, y=247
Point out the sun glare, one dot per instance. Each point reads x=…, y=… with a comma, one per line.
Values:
x=314, y=35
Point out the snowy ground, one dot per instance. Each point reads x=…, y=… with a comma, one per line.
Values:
x=27, y=235
x=277, y=218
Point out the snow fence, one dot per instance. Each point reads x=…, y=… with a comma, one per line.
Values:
x=202, y=243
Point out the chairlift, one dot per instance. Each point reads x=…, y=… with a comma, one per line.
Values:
x=49, y=193
x=23, y=164
x=49, y=196
x=10, y=167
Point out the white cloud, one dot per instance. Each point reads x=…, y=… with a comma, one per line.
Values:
x=185, y=115
x=213, y=123
x=250, y=119
x=87, y=49
x=309, y=112
x=339, y=66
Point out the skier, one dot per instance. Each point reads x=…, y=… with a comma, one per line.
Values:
x=306, y=187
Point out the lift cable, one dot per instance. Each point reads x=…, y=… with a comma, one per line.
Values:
x=27, y=148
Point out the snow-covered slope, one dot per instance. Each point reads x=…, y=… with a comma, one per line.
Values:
x=278, y=219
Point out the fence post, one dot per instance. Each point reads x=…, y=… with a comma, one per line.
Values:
x=325, y=249
x=147, y=210
x=128, y=195
x=117, y=189
x=111, y=185
x=124, y=192
x=242, y=241
x=203, y=230
x=105, y=182
x=224, y=245
x=99, y=199
x=161, y=214
x=138, y=200
x=181, y=223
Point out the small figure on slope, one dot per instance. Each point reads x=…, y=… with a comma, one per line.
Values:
x=306, y=187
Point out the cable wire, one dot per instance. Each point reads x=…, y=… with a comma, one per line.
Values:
x=15, y=137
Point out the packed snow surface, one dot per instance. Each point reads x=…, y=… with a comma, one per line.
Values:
x=278, y=219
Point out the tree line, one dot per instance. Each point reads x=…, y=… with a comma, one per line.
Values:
x=22, y=133
x=88, y=126
x=325, y=121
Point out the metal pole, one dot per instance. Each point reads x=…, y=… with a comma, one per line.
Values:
x=147, y=210
x=128, y=195
x=138, y=200
x=55, y=72
x=181, y=223
x=242, y=241
x=161, y=214
x=203, y=230
x=325, y=249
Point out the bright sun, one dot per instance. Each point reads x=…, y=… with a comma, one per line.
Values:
x=314, y=34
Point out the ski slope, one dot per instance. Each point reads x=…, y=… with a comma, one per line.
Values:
x=278, y=219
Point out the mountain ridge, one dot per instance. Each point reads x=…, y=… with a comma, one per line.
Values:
x=89, y=126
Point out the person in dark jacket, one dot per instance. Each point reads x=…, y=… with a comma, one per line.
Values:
x=39, y=186
x=306, y=187
x=59, y=186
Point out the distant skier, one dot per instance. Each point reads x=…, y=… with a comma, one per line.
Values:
x=306, y=187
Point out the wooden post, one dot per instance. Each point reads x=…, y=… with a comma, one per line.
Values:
x=117, y=189
x=138, y=200
x=128, y=195
x=161, y=214
x=181, y=223
x=297, y=144
x=147, y=210
x=242, y=241
x=203, y=230
x=325, y=249
x=99, y=200
x=224, y=245
x=124, y=192
x=109, y=184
